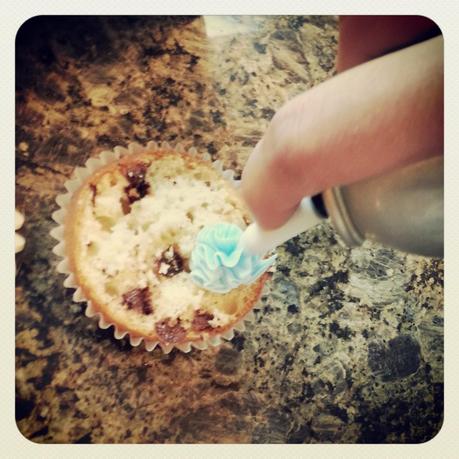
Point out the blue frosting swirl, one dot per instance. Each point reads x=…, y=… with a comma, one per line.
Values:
x=219, y=264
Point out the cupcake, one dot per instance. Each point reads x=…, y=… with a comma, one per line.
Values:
x=128, y=233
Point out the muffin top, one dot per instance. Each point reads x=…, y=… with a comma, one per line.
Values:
x=130, y=231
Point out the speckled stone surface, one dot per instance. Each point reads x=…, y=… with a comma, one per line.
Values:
x=347, y=345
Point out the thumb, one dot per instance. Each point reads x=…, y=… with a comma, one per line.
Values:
x=267, y=186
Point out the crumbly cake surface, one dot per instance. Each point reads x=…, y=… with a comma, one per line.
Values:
x=130, y=231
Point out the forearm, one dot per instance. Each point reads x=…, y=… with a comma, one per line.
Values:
x=365, y=121
x=362, y=38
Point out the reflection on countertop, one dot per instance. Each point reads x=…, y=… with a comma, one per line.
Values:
x=347, y=345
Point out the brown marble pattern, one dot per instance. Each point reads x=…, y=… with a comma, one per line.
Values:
x=347, y=345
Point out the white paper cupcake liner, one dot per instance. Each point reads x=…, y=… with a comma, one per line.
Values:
x=63, y=200
x=19, y=240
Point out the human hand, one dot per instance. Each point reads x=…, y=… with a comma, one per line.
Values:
x=368, y=120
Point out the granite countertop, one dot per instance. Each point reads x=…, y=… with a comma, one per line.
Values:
x=347, y=345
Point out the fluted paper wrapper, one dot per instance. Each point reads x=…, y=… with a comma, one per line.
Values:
x=63, y=200
x=19, y=240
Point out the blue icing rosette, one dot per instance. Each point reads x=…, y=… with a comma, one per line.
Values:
x=219, y=264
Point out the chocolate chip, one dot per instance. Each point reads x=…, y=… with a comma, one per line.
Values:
x=170, y=263
x=138, y=187
x=125, y=205
x=139, y=300
x=136, y=192
x=94, y=193
x=201, y=321
x=135, y=173
x=170, y=333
